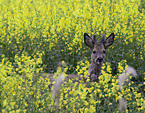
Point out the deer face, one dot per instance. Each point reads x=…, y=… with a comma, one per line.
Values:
x=98, y=49
x=98, y=54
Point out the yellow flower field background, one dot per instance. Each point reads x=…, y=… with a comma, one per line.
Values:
x=36, y=36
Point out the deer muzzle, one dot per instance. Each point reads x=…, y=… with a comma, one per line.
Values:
x=99, y=60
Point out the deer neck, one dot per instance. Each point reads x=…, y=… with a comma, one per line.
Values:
x=95, y=69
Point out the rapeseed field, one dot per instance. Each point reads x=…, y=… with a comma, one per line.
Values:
x=39, y=38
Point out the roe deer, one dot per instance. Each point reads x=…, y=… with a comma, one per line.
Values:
x=98, y=53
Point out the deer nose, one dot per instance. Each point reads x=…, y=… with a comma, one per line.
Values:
x=100, y=59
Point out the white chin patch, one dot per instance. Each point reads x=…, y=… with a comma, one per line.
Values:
x=99, y=62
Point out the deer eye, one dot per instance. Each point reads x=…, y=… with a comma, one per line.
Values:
x=94, y=52
x=104, y=51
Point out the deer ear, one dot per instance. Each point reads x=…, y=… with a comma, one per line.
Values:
x=88, y=41
x=109, y=41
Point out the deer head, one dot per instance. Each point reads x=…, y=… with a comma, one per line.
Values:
x=98, y=49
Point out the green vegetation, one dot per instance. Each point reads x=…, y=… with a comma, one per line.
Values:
x=36, y=35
